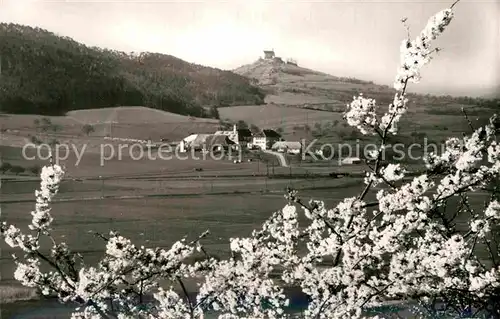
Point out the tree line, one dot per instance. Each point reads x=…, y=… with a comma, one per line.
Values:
x=43, y=73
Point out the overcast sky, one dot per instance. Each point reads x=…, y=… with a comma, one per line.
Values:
x=345, y=38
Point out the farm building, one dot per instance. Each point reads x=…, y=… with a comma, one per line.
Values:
x=197, y=142
x=233, y=135
x=350, y=160
x=190, y=138
x=265, y=139
x=218, y=143
x=287, y=147
x=211, y=142
x=238, y=136
x=244, y=137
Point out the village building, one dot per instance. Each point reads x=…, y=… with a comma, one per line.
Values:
x=287, y=147
x=265, y=139
x=232, y=135
x=197, y=142
x=210, y=142
x=244, y=137
x=350, y=161
x=241, y=137
x=218, y=143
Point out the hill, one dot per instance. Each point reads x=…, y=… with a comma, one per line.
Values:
x=43, y=73
x=293, y=85
x=298, y=97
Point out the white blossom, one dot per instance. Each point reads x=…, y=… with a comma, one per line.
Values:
x=393, y=172
x=361, y=114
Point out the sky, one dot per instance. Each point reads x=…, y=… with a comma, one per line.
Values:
x=356, y=38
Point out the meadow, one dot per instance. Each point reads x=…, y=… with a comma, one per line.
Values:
x=126, y=122
x=156, y=202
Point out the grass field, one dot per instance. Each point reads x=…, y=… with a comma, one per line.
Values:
x=12, y=293
x=157, y=222
x=273, y=116
x=126, y=122
x=131, y=115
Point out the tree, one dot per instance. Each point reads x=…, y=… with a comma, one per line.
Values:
x=402, y=244
x=214, y=112
x=225, y=125
x=242, y=124
x=5, y=167
x=254, y=128
x=87, y=129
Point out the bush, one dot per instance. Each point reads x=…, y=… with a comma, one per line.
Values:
x=35, y=169
x=88, y=129
x=35, y=140
x=5, y=167
x=242, y=125
x=53, y=142
x=16, y=169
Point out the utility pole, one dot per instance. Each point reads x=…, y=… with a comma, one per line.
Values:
x=102, y=186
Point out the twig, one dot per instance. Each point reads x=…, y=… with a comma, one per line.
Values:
x=313, y=210
x=454, y=3
x=492, y=255
x=473, y=246
x=468, y=120
x=191, y=310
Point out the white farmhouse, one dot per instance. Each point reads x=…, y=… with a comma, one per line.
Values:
x=265, y=139
x=350, y=160
x=287, y=147
x=232, y=135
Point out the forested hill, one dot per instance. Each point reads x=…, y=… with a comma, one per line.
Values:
x=42, y=73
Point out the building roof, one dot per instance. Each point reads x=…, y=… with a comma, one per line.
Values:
x=210, y=140
x=217, y=140
x=199, y=140
x=287, y=144
x=351, y=160
x=190, y=138
x=267, y=133
x=271, y=133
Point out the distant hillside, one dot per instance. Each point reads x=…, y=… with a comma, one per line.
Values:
x=42, y=73
x=293, y=85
